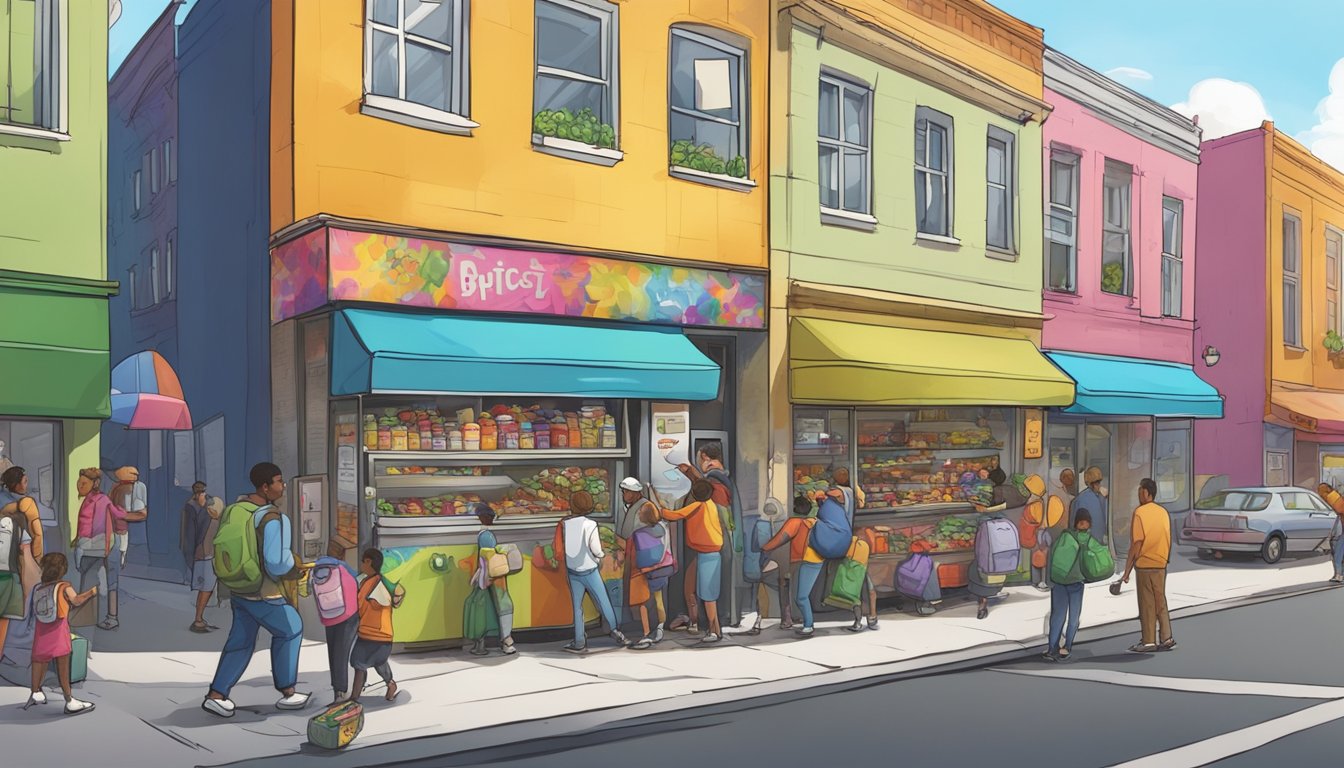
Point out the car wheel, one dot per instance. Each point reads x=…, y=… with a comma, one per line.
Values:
x=1205, y=554
x=1272, y=549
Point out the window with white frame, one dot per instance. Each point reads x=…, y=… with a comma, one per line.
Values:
x=133, y=287
x=1292, y=280
x=574, y=94
x=1334, y=245
x=933, y=172
x=137, y=183
x=707, y=106
x=1173, y=268
x=153, y=161
x=415, y=58
x=169, y=172
x=844, y=141
x=31, y=60
x=1000, y=191
x=1116, y=252
x=155, y=275
x=168, y=265
x=1061, y=225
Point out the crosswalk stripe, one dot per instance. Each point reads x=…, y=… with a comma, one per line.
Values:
x=1237, y=742
x=1183, y=684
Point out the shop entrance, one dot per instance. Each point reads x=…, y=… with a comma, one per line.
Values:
x=1332, y=465
x=1122, y=450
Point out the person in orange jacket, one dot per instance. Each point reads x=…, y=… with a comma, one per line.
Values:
x=704, y=535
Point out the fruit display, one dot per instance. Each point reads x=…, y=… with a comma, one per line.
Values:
x=811, y=479
x=501, y=427
x=438, y=471
x=545, y=493
x=950, y=534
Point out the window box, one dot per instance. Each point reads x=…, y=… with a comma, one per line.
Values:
x=714, y=179
x=838, y=218
x=576, y=150
x=939, y=239
x=416, y=115
x=707, y=112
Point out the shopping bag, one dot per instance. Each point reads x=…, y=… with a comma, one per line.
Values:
x=478, y=616
x=336, y=727
x=847, y=585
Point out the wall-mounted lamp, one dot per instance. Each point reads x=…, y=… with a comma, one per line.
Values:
x=1211, y=356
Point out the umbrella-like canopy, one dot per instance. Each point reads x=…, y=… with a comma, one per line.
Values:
x=146, y=394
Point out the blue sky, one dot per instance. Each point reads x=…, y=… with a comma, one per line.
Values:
x=136, y=17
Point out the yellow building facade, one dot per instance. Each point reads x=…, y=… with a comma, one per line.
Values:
x=496, y=219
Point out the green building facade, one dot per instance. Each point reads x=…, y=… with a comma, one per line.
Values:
x=54, y=365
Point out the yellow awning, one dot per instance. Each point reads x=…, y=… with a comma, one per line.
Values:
x=833, y=362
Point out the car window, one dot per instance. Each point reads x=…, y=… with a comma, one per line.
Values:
x=1319, y=503
x=1235, y=500
x=1297, y=502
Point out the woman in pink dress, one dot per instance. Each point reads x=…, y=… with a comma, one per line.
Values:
x=52, y=600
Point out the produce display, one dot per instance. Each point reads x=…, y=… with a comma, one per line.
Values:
x=438, y=471
x=502, y=427
x=545, y=493
x=949, y=534
x=811, y=479
x=919, y=478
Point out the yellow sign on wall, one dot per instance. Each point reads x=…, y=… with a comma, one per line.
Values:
x=1032, y=443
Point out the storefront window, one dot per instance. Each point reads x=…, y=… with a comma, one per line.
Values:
x=470, y=424
x=821, y=445
x=933, y=456
x=35, y=446
x=449, y=489
x=1171, y=466
x=1132, y=460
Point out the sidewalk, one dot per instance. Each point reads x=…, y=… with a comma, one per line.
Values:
x=148, y=678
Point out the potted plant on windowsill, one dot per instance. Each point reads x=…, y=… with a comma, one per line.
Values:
x=702, y=163
x=1334, y=345
x=578, y=135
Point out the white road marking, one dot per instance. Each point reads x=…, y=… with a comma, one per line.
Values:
x=1237, y=742
x=1186, y=685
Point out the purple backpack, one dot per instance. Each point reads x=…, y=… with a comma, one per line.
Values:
x=334, y=589
x=648, y=549
x=996, y=547
x=916, y=578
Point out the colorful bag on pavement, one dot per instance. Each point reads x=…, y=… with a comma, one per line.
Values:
x=337, y=726
x=915, y=578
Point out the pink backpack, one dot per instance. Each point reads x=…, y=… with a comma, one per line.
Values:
x=335, y=591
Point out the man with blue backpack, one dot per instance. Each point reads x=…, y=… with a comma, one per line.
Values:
x=254, y=558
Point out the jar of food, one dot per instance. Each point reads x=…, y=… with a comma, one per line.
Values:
x=399, y=437
x=608, y=432
x=511, y=436
x=543, y=436
x=489, y=435
x=413, y=440
x=371, y=437
x=575, y=438
x=526, y=439
x=471, y=436
x=456, y=439
x=559, y=433
x=439, y=443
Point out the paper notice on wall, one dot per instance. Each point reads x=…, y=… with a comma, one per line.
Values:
x=310, y=509
x=713, y=84
x=671, y=444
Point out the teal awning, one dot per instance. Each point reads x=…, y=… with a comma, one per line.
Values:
x=375, y=351
x=1127, y=386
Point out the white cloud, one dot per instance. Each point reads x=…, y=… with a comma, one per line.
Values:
x=113, y=12
x=1325, y=139
x=1129, y=73
x=1224, y=107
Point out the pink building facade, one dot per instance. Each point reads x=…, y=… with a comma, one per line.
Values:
x=1121, y=174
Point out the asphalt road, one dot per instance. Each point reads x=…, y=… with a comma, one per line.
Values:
x=1253, y=686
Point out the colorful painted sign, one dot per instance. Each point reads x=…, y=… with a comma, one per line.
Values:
x=343, y=265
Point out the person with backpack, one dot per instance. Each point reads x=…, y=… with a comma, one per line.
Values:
x=96, y=539
x=704, y=536
x=20, y=540
x=1066, y=590
x=373, y=645
x=200, y=523
x=776, y=568
x=649, y=560
x=335, y=589
x=52, y=600
x=796, y=532
x=253, y=556
x=578, y=538
x=997, y=555
x=496, y=588
x=709, y=460
x=846, y=495
x=131, y=495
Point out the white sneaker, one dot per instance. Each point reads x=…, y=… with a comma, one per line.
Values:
x=35, y=698
x=293, y=701
x=218, y=707
x=75, y=707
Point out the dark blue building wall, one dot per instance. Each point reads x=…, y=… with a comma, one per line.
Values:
x=224, y=221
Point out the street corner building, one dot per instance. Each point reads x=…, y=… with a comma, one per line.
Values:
x=53, y=268
x=906, y=260
x=1270, y=305
x=509, y=275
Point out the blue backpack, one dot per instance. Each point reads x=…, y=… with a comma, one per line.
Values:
x=649, y=549
x=832, y=534
x=758, y=535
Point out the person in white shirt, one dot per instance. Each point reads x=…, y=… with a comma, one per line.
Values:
x=578, y=538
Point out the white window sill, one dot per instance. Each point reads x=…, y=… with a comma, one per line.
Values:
x=27, y=132
x=721, y=180
x=576, y=150
x=940, y=239
x=841, y=218
x=416, y=115
x=999, y=254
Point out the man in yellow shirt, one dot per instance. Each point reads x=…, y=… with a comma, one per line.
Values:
x=1149, y=553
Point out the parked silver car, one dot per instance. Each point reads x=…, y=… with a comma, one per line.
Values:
x=1270, y=521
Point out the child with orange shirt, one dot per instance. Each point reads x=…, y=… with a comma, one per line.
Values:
x=804, y=559
x=373, y=646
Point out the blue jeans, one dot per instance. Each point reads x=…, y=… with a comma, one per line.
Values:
x=807, y=579
x=590, y=582
x=1338, y=552
x=278, y=618
x=1065, y=599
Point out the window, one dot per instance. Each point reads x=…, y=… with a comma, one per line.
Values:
x=1173, y=230
x=1171, y=465
x=999, y=189
x=1115, y=245
x=168, y=265
x=211, y=466
x=574, y=96
x=184, y=460
x=1296, y=502
x=933, y=172
x=706, y=118
x=844, y=130
x=1334, y=244
x=169, y=172
x=30, y=64
x=415, y=60
x=133, y=288
x=1292, y=280
x=155, y=449
x=36, y=446
x=155, y=275
x=136, y=177
x=1061, y=225
x=153, y=170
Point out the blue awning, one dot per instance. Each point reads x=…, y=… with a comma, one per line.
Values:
x=374, y=351
x=1127, y=386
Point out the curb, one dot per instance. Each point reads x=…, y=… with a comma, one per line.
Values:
x=556, y=734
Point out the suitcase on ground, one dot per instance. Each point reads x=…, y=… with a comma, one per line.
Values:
x=79, y=658
x=336, y=727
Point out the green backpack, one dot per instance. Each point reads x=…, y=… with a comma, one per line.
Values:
x=1066, y=560
x=237, y=553
x=1095, y=561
